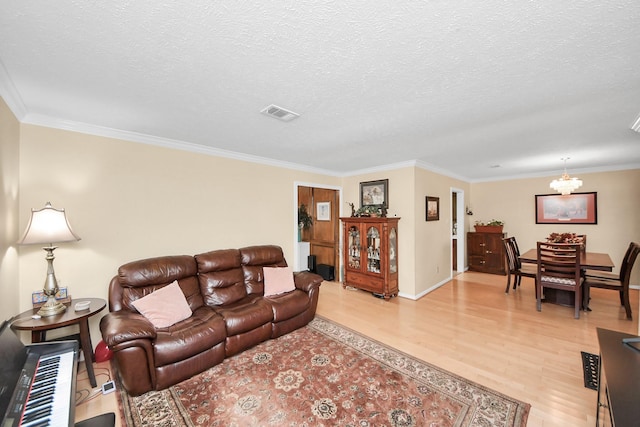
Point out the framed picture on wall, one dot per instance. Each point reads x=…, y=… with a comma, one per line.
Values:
x=374, y=193
x=433, y=208
x=576, y=208
x=323, y=211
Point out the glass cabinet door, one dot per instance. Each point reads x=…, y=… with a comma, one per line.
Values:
x=393, y=259
x=354, y=248
x=373, y=250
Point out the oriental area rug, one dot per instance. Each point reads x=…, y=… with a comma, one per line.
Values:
x=323, y=375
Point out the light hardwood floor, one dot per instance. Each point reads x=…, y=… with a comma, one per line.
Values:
x=472, y=328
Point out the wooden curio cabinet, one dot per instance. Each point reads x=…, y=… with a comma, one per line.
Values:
x=486, y=252
x=371, y=255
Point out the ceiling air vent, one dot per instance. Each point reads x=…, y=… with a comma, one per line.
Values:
x=279, y=113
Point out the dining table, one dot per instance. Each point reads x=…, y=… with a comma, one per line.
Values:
x=588, y=261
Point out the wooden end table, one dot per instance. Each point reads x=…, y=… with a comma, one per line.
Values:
x=39, y=327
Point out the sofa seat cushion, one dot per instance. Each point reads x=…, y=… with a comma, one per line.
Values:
x=249, y=313
x=200, y=332
x=286, y=306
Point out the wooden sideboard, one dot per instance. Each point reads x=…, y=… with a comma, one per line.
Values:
x=486, y=252
x=618, y=380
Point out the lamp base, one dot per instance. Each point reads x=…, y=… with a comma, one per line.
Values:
x=52, y=307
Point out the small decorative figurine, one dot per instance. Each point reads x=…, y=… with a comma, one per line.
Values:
x=353, y=209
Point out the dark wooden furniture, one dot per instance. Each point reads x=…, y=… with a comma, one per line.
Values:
x=618, y=380
x=371, y=254
x=588, y=260
x=486, y=252
x=39, y=327
x=559, y=268
x=619, y=283
x=514, y=265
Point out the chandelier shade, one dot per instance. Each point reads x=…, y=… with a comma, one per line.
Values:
x=565, y=184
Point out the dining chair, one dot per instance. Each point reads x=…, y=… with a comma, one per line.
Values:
x=619, y=282
x=559, y=268
x=514, y=265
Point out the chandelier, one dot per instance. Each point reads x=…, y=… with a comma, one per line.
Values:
x=565, y=185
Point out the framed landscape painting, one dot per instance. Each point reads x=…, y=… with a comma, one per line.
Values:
x=433, y=208
x=576, y=208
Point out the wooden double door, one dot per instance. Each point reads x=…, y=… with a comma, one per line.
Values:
x=324, y=234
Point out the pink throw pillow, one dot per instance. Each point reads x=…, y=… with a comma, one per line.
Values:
x=165, y=306
x=278, y=280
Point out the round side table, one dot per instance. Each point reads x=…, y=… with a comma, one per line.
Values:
x=39, y=327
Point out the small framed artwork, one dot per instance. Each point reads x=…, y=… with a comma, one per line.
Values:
x=323, y=211
x=374, y=193
x=433, y=208
x=575, y=208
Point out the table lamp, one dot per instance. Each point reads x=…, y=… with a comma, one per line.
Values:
x=48, y=226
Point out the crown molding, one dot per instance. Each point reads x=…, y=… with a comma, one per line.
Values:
x=52, y=122
x=15, y=104
x=10, y=94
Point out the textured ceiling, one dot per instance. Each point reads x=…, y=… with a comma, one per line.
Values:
x=458, y=87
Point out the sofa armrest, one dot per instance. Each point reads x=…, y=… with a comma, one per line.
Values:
x=121, y=326
x=305, y=280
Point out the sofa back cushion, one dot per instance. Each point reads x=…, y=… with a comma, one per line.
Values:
x=254, y=258
x=140, y=278
x=221, y=277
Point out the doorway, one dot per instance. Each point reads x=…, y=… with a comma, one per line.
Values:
x=457, y=231
x=322, y=239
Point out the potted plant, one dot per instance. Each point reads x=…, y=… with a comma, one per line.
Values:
x=368, y=211
x=493, y=226
x=304, y=219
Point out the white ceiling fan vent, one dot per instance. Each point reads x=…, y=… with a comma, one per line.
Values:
x=279, y=113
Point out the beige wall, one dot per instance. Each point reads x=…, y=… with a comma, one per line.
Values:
x=9, y=182
x=129, y=201
x=433, y=239
x=618, y=211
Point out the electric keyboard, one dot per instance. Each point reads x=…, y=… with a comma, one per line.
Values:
x=37, y=382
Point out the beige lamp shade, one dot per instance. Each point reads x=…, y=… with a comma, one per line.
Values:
x=48, y=225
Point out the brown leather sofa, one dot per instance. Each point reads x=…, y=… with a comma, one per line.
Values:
x=225, y=292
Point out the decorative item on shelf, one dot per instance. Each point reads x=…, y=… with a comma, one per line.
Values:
x=565, y=185
x=304, y=220
x=48, y=226
x=353, y=209
x=493, y=226
x=368, y=211
x=568, y=238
